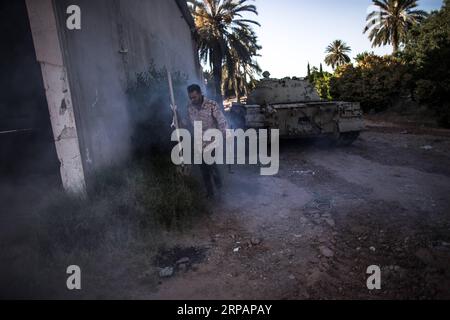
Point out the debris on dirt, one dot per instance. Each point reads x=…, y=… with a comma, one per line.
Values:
x=256, y=241
x=325, y=251
x=169, y=260
x=320, y=203
x=166, y=272
x=427, y=147
x=236, y=250
x=313, y=278
x=445, y=244
x=330, y=222
x=195, y=267
x=184, y=260
x=425, y=256
x=304, y=172
x=373, y=249
x=182, y=267
x=145, y=275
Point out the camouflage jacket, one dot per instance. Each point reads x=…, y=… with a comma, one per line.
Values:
x=210, y=115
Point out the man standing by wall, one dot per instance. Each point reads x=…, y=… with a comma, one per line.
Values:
x=210, y=115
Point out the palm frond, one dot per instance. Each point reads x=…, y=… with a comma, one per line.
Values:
x=390, y=23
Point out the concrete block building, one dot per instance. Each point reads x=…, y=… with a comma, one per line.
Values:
x=63, y=100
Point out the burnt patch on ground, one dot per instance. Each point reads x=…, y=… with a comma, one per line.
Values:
x=179, y=258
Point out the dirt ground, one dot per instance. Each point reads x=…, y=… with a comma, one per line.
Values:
x=312, y=231
x=309, y=232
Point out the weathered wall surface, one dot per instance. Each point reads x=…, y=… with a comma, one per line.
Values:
x=156, y=29
x=54, y=73
x=118, y=38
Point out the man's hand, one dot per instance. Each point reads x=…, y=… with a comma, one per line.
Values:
x=181, y=122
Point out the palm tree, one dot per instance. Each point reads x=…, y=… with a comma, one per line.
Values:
x=390, y=23
x=360, y=57
x=242, y=69
x=224, y=35
x=242, y=78
x=338, y=52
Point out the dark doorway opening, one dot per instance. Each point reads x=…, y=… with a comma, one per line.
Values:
x=29, y=167
x=26, y=141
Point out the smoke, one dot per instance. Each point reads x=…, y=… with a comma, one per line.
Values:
x=150, y=108
x=114, y=124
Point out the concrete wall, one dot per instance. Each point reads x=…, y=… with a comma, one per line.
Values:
x=117, y=39
x=44, y=30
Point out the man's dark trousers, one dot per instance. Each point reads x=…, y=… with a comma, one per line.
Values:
x=211, y=173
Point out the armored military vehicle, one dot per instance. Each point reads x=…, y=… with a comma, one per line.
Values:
x=293, y=106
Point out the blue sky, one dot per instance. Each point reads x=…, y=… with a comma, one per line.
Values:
x=294, y=32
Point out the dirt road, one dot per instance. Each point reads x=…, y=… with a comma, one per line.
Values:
x=311, y=231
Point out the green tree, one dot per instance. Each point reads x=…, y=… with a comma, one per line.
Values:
x=222, y=33
x=391, y=22
x=321, y=81
x=377, y=82
x=427, y=49
x=337, y=54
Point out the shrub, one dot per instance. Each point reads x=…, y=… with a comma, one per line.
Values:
x=321, y=81
x=377, y=82
x=149, y=109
